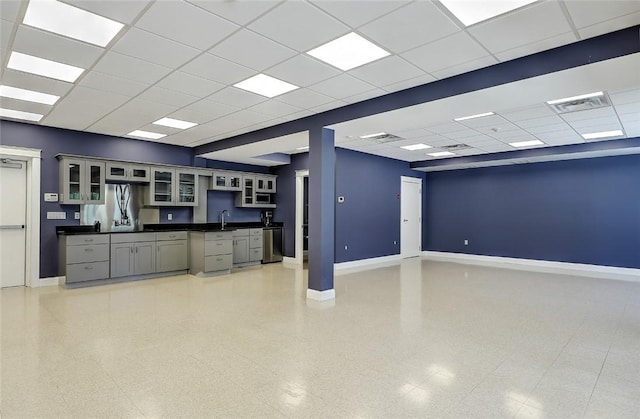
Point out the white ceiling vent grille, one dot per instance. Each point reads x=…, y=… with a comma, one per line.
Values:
x=582, y=104
x=453, y=147
x=385, y=138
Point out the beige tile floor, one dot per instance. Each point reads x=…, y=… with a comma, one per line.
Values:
x=414, y=339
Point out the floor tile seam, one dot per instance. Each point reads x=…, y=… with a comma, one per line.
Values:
x=548, y=369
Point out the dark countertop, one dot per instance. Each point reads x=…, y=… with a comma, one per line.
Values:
x=149, y=228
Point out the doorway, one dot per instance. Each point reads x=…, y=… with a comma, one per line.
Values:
x=301, y=232
x=410, y=217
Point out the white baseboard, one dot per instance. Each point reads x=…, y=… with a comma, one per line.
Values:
x=289, y=261
x=321, y=295
x=580, y=269
x=52, y=281
x=366, y=262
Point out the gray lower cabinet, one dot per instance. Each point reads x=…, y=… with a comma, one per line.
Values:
x=172, y=250
x=247, y=246
x=210, y=252
x=255, y=244
x=133, y=254
x=84, y=257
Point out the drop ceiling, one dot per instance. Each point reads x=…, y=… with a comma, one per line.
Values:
x=180, y=59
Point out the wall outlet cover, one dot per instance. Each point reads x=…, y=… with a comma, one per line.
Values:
x=169, y=217
x=76, y=216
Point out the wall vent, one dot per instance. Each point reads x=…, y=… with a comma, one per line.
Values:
x=452, y=147
x=385, y=138
x=582, y=104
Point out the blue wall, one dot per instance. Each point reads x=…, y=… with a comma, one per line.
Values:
x=581, y=211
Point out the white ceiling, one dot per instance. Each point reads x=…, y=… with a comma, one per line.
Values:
x=179, y=59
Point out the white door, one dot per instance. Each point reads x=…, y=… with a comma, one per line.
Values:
x=410, y=217
x=13, y=210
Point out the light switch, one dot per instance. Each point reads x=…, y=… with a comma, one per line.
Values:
x=76, y=215
x=169, y=217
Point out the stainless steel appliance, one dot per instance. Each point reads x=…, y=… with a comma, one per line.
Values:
x=272, y=245
x=266, y=217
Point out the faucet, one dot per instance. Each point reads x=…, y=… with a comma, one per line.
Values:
x=222, y=217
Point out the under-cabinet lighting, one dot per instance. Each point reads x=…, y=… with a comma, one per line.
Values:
x=415, y=147
x=27, y=116
x=441, y=154
x=349, y=51
x=470, y=12
x=175, y=123
x=572, y=98
x=27, y=95
x=528, y=143
x=266, y=85
x=146, y=134
x=66, y=20
x=602, y=134
x=42, y=67
x=480, y=115
x=375, y=134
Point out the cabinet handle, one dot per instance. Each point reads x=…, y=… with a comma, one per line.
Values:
x=88, y=240
x=88, y=268
x=88, y=249
x=136, y=249
x=131, y=249
x=171, y=236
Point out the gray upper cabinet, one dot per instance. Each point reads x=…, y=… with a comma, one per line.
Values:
x=82, y=181
x=226, y=181
x=173, y=187
x=126, y=172
x=252, y=197
x=266, y=183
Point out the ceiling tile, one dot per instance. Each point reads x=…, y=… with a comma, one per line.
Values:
x=386, y=71
x=632, y=129
x=192, y=85
x=532, y=48
x=130, y=68
x=264, y=52
x=356, y=13
x=364, y=96
x=32, y=82
x=122, y=121
x=54, y=47
x=109, y=83
x=630, y=117
x=123, y=11
x=186, y=23
x=25, y=106
x=596, y=125
x=217, y=69
x=147, y=110
x=446, y=127
x=328, y=106
x=497, y=147
x=624, y=97
x=153, y=48
x=456, y=49
x=560, y=135
x=6, y=28
x=487, y=121
x=464, y=68
x=239, y=11
x=188, y=114
x=211, y=110
x=406, y=84
x=414, y=133
x=610, y=25
x=304, y=98
x=538, y=122
x=606, y=112
x=236, y=97
x=274, y=108
x=342, y=86
x=529, y=24
x=192, y=134
x=238, y=120
x=302, y=70
x=167, y=97
x=409, y=27
x=556, y=141
x=548, y=128
x=460, y=134
x=628, y=108
x=9, y=10
x=299, y=25
x=532, y=112
x=586, y=13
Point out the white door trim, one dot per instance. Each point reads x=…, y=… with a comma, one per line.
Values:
x=299, y=240
x=416, y=181
x=32, y=157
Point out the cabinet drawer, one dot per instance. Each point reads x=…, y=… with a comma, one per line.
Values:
x=87, y=239
x=87, y=271
x=218, y=247
x=255, y=241
x=171, y=235
x=217, y=235
x=242, y=232
x=256, y=232
x=133, y=237
x=218, y=263
x=87, y=253
x=255, y=255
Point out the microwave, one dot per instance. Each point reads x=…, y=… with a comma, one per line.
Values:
x=263, y=198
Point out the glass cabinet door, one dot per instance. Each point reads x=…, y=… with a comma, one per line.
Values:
x=162, y=186
x=248, y=190
x=220, y=181
x=187, y=188
x=94, y=182
x=74, y=183
x=234, y=182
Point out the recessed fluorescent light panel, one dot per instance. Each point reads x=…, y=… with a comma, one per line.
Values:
x=42, y=67
x=146, y=134
x=529, y=143
x=574, y=98
x=28, y=95
x=415, y=147
x=70, y=21
x=349, y=51
x=602, y=134
x=27, y=116
x=441, y=154
x=376, y=134
x=175, y=123
x=266, y=85
x=473, y=11
x=480, y=115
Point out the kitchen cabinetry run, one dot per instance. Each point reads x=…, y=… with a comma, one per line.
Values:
x=84, y=258
x=226, y=181
x=247, y=246
x=81, y=181
x=172, y=251
x=126, y=172
x=251, y=196
x=173, y=187
x=133, y=254
x=211, y=252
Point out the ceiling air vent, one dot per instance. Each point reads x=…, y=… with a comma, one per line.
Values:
x=581, y=104
x=453, y=147
x=385, y=138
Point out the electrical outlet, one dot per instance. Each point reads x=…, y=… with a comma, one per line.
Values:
x=466, y=242
x=169, y=217
x=345, y=247
x=76, y=216
x=395, y=242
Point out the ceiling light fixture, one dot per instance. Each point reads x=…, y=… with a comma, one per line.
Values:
x=376, y=134
x=602, y=134
x=27, y=116
x=266, y=85
x=349, y=51
x=28, y=95
x=146, y=134
x=480, y=115
x=175, y=123
x=573, y=98
x=42, y=67
x=63, y=19
x=470, y=12
x=441, y=154
x=415, y=147
x=528, y=143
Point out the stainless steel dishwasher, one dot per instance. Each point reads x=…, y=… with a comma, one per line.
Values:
x=272, y=245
